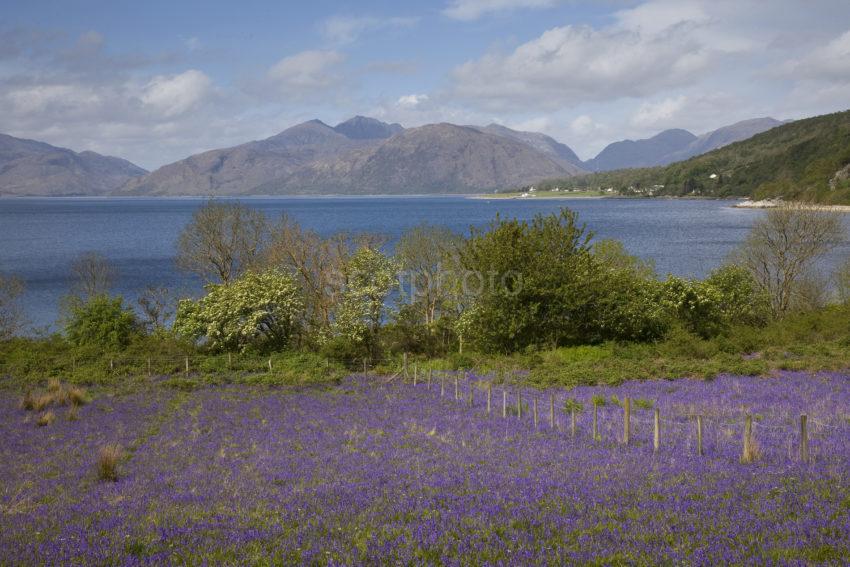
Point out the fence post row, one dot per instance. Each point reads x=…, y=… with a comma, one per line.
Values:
x=504, y=403
x=804, y=438
x=534, y=404
x=595, y=422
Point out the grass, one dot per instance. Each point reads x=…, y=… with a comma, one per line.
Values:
x=108, y=458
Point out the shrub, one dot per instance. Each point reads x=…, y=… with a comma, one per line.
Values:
x=108, y=459
x=598, y=400
x=259, y=310
x=101, y=321
x=643, y=403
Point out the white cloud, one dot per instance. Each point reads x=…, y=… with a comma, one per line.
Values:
x=175, y=94
x=342, y=30
x=829, y=62
x=473, y=9
x=306, y=72
x=653, y=114
x=411, y=100
x=573, y=64
x=656, y=16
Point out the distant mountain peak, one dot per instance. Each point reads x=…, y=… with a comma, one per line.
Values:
x=366, y=128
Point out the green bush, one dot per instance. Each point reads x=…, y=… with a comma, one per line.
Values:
x=102, y=321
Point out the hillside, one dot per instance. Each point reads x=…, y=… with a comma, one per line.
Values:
x=242, y=169
x=28, y=167
x=807, y=159
x=640, y=153
x=437, y=158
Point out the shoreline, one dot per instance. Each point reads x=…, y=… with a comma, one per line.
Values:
x=778, y=203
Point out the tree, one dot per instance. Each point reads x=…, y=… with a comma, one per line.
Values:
x=529, y=283
x=222, y=241
x=783, y=248
x=11, y=317
x=260, y=310
x=101, y=321
x=842, y=282
x=319, y=263
x=157, y=305
x=371, y=276
x=93, y=275
x=425, y=254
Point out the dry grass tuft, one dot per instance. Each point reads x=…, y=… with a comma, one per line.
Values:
x=107, y=462
x=73, y=414
x=54, y=385
x=28, y=402
x=42, y=402
x=78, y=396
x=751, y=452
x=46, y=418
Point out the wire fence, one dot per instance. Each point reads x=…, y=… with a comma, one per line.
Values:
x=731, y=434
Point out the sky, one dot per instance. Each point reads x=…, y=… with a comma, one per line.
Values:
x=157, y=81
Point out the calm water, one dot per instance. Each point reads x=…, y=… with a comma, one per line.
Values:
x=40, y=237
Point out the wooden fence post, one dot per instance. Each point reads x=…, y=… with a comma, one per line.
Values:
x=519, y=404
x=627, y=420
x=489, y=395
x=270, y=364
x=595, y=422
x=747, y=455
x=504, y=403
x=405, y=365
x=573, y=422
x=699, y=435
x=457, y=389
x=149, y=367
x=804, y=438
x=552, y=411
x=442, y=385
x=656, y=431
x=415, y=374
x=430, y=372
x=187, y=366
x=534, y=405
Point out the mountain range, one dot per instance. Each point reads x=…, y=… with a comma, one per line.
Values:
x=359, y=156
x=28, y=167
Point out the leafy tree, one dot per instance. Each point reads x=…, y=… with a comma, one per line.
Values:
x=101, y=321
x=371, y=276
x=425, y=254
x=529, y=283
x=259, y=310
x=222, y=241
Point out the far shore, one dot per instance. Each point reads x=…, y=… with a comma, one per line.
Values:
x=777, y=203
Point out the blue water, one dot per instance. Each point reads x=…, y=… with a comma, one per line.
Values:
x=39, y=237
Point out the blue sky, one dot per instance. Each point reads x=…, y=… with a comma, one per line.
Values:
x=157, y=81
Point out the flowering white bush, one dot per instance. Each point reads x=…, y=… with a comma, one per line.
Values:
x=259, y=309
